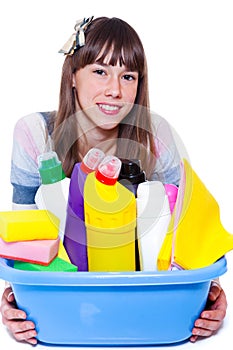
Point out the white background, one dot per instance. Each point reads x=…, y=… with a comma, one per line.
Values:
x=188, y=44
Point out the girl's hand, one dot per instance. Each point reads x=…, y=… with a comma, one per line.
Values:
x=15, y=319
x=212, y=317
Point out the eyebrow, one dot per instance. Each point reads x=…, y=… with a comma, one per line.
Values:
x=107, y=65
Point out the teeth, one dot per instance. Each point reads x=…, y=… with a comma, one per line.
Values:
x=108, y=107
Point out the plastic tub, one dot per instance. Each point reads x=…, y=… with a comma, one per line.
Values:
x=88, y=308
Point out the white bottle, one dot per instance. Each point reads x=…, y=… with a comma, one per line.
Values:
x=53, y=193
x=153, y=217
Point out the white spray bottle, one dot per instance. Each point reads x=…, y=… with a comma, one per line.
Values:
x=53, y=193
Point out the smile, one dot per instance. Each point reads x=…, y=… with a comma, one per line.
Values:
x=108, y=108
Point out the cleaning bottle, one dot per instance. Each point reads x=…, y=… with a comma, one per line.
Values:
x=75, y=230
x=110, y=218
x=172, y=192
x=53, y=191
x=153, y=217
x=131, y=175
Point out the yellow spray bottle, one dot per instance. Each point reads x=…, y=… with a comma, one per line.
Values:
x=110, y=219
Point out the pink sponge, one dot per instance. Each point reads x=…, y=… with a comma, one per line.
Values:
x=37, y=251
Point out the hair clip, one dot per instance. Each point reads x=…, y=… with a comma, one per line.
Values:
x=77, y=39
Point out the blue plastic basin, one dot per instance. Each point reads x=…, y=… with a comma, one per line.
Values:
x=86, y=308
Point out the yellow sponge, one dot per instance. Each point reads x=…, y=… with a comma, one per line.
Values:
x=26, y=225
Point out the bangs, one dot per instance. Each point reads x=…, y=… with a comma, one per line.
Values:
x=113, y=36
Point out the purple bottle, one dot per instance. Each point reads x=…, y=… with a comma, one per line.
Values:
x=75, y=231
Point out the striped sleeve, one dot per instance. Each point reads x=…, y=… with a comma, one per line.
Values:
x=30, y=139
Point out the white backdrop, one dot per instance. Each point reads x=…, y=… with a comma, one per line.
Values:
x=189, y=49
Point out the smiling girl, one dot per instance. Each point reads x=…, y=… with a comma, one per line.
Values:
x=103, y=103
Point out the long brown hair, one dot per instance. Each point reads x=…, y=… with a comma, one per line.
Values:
x=135, y=138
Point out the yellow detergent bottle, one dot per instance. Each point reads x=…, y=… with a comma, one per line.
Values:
x=110, y=218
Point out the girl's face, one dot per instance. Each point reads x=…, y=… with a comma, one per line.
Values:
x=106, y=93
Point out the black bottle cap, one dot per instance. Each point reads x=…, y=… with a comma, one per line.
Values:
x=131, y=170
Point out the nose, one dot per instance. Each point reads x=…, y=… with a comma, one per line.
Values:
x=113, y=87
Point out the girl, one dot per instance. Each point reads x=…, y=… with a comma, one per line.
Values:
x=103, y=103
